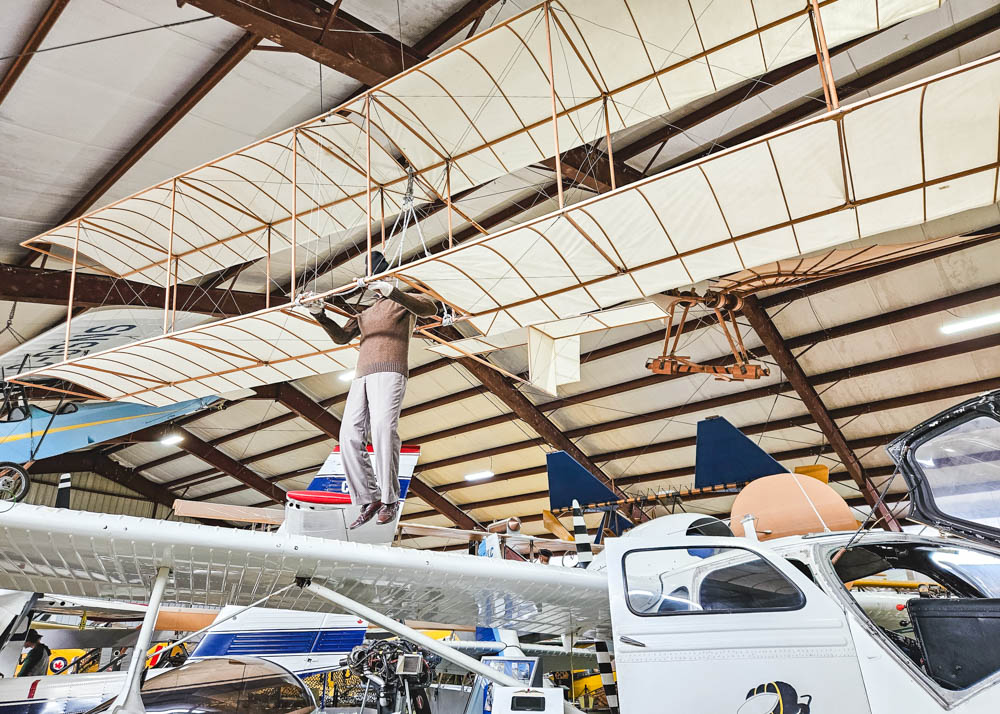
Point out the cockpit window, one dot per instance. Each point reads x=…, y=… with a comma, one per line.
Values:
x=224, y=685
x=938, y=603
x=668, y=581
x=961, y=469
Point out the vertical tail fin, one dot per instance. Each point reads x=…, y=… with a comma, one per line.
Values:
x=584, y=546
x=62, y=494
x=607, y=675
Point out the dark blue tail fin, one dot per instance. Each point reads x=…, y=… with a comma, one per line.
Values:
x=724, y=454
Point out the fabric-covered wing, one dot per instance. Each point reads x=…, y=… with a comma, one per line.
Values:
x=900, y=159
x=99, y=555
x=475, y=112
x=796, y=271
x=579, y=325
x=275, y=345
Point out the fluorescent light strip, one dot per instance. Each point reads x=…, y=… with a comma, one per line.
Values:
x=971, y=324
x=347, y=376
x=479, y=476
x=172, y=440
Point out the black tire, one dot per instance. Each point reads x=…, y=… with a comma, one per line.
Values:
x=14, y=482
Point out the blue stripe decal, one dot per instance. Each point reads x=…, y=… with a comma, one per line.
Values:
x=338, y=484
x=278, y=642
x=46, y=706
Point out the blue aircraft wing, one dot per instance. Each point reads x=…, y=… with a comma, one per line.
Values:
x=39, y=433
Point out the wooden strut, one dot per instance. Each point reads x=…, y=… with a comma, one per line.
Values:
x=170, y=253
x=552, y=91
x=823, y=56
x=72, y=288
x=654, y=497
x=607, y=138
x=368, y=178
x=295, y=213
x=722, y=306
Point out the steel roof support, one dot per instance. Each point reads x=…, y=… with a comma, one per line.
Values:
x=782, y=355
x=470, y=13
x=849, y=88
x=304, y=407
x=51, y=287
x=327, y=423
x=203, y=86
x=915, y=358
x=122, y=475
x=952, y=392
x=531, y=415
x=341, y=42
x=21, y=60
x=217, y=459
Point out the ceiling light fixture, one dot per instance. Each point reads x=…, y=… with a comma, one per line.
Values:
x=479, y=476
x=171, y=439
x=971, y=324
x=347, y=376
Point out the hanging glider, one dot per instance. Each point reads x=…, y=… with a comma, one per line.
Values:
x=849, y=174
x=466, y=116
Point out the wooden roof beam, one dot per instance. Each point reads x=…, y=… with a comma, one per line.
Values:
x=952, y=392
x=165, y=123
x=586, y=166
x=317, y=30
x=782, y=355
x=23, y=57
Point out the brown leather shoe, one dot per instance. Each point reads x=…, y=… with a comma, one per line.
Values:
x=367, y=512
x=387, y=513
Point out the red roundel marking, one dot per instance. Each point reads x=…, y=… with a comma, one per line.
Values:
x=57, y=664
x=320, y=497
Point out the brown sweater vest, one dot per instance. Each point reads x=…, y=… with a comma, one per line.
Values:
x=385, y=328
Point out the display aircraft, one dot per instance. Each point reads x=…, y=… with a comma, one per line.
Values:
x=227, y=684
x=679, y=596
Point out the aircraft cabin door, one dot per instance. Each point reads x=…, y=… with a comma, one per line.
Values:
x=726, y=626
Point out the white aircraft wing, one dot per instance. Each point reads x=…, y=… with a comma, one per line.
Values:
x=98, y=555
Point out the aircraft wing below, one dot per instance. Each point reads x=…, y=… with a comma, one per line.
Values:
x=110, y=556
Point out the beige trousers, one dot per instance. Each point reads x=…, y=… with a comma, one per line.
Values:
x=372, y=414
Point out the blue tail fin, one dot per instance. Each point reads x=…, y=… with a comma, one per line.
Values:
x=724, y=454
x=569, y=481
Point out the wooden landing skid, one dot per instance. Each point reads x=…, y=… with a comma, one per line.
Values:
x=723, y=306
x=673, y=364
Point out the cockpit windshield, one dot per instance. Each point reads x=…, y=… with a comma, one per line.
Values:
x=225, y=685
x=961, y=470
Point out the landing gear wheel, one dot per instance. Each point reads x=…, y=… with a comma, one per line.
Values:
x=14, y=482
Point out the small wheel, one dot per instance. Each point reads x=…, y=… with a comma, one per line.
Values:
x=14, y=482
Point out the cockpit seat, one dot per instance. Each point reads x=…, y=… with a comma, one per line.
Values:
x=960, y=638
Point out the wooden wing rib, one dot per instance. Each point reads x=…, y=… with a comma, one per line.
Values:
x=477, y=111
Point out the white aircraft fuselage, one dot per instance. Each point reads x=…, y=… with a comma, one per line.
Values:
x=725, y=624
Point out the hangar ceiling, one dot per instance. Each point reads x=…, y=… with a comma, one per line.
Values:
x=855, y=360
